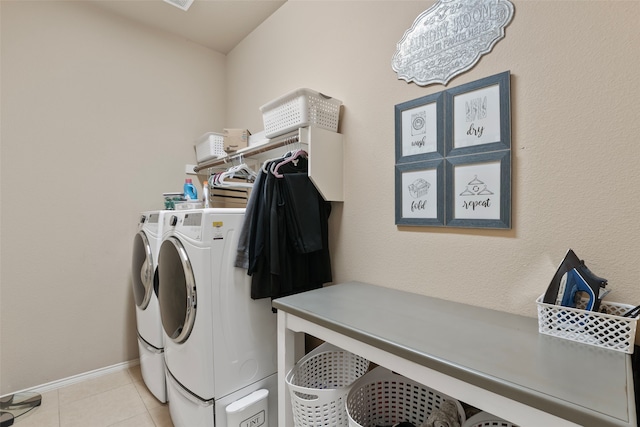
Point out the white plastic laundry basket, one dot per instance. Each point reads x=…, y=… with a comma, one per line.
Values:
x=319, y=384
x=485, y=419
x=382, y=397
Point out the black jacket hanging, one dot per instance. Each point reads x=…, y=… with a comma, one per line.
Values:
x=287, y=240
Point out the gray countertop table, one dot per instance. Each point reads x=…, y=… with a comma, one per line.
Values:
x=493, y=360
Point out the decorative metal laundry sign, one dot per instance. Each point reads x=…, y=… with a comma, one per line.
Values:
x=449, y=38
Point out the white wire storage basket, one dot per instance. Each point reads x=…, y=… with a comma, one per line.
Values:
x=300, y=108
x=210, y=146
x=319, y=383
x=382, y=397
x=485, y=419
x=608, y=330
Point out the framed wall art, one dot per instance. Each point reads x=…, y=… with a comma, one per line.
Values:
x=420, y=193
x=478, y=116
x=420, y=129
x=453, y=156
x=479, y=190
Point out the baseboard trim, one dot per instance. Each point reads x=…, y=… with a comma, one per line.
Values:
x=54, y=385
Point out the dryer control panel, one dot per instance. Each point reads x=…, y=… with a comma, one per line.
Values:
x=188, y=224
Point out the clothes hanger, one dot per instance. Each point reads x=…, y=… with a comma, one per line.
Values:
x=239, y=171
x=243, y=169
x=275, y=170
x=267, y=166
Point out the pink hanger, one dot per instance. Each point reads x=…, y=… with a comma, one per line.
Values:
x=297, y=154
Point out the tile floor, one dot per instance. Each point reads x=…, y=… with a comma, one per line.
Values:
x=119, y=399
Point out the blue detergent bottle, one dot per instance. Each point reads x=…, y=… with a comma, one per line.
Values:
x=190, y=192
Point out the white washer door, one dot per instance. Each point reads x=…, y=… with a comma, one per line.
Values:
x=176, y=290
x=142, y=270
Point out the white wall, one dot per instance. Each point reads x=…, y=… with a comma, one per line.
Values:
x=575, y=91
x=98, y=120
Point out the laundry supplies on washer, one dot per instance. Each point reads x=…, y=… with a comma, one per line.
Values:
x=205, y=195
x=190, y=192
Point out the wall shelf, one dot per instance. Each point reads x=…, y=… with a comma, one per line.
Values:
x=325, y=149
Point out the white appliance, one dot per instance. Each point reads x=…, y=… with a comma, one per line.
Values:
x=146, y=245
x=220, y=345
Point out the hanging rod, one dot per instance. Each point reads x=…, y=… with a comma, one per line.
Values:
x=280, y=141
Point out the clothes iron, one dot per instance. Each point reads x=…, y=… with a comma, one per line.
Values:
x=573, y=279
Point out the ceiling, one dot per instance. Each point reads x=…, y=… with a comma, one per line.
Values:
x=216, y=24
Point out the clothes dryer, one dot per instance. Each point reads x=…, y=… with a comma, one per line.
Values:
x=146, y=245
x=220, y=345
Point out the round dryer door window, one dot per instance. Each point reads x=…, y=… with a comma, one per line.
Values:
x=176, y=290
x=142, y=270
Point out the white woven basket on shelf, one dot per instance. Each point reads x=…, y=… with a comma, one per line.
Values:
x=319, y=383
x=210, y=146
x=608, y=330
x=382, y=397
x=300, y=108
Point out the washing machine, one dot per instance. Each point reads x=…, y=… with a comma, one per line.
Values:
x=220, y=345
x=146, y=245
